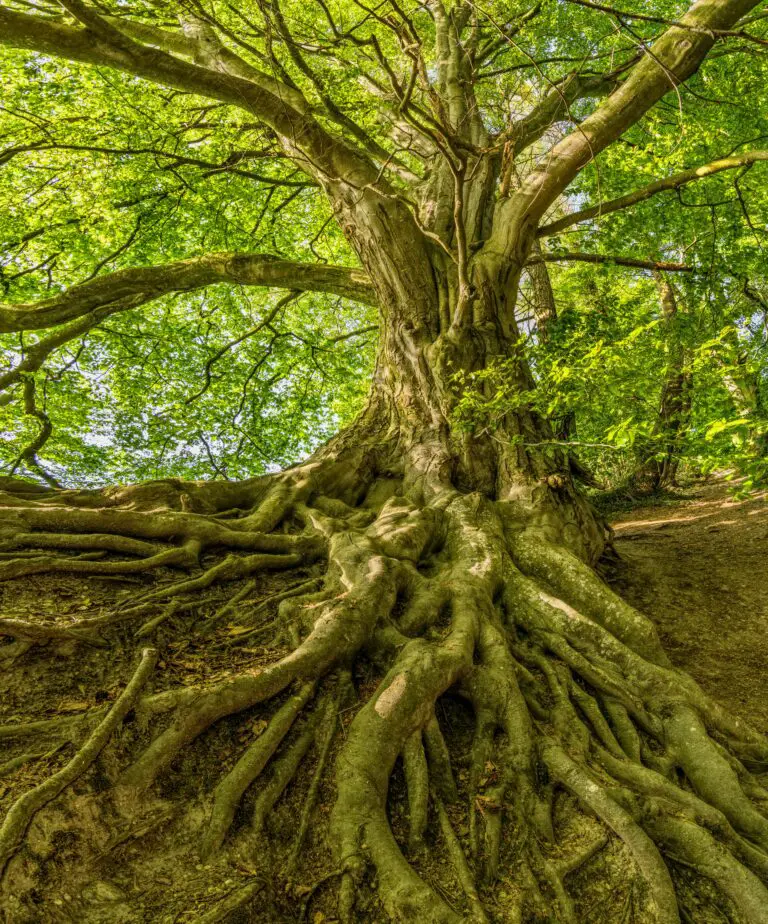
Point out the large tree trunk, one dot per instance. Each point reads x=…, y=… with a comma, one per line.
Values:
x=501, y=737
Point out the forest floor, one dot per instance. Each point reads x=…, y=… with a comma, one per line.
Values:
x=696, y=562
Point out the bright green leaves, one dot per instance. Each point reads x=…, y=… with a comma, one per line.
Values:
x=101, y=171
x=604, y=366
x=123, y=401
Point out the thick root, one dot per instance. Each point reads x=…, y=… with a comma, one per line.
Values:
x=229, y=792
x=569, y=756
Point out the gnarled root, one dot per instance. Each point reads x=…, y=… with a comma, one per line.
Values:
x=22, y=811
x=501, y=736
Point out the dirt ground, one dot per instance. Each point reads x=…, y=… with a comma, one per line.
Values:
x=698, y=565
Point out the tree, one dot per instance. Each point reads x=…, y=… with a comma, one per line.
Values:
x=660, y=456
x=437, y=563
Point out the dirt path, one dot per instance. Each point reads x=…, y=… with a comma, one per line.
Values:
x=699, y=567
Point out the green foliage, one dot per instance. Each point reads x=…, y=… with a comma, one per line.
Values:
x=100, y=170
x=124, y=400
x=604, y=365
x=131, y=403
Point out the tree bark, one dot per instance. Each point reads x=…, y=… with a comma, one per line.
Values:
x=451, y=572
x=663, y=450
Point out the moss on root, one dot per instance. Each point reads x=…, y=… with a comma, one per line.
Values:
x=369, y=703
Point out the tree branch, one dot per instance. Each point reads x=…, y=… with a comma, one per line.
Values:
x=212, y=360
x=39, y=352
x=621, y=15
x=530, y=128
x=129, y=288
x=640, y=195
x=674, y=57
x=200, y=43
x=659, y=265
x=227, y=165
x=29, y=453
x=307, y=143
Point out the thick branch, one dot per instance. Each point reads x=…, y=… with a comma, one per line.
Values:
x=100, y=43
x=136, y=286
x=676, y=55
x=621, y=15
x=640, y=195
x=554, y=106
x=199, y=42
x=39, y=352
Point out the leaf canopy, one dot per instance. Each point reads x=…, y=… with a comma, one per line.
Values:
x=102, y=169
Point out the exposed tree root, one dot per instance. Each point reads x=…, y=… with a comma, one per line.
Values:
x=16, y=762
x=61, y=726
x=577, y=722
x=325, y=740
x=647, y=857
x=417, y=781
x=239, y=898
x=460, y=865
x=16, y=628
x=228, y=793
x=23, y=810
x=283, y=772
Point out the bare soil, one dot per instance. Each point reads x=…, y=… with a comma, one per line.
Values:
x=697, y=564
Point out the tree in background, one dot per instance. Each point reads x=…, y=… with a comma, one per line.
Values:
x=434, y=556
x=639, y=386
